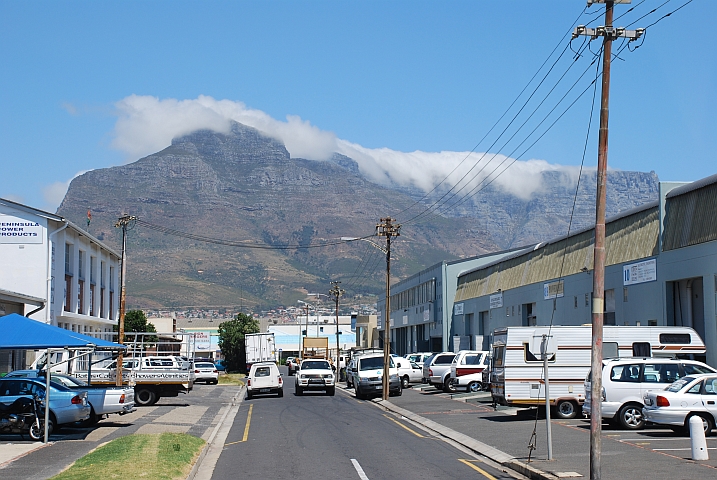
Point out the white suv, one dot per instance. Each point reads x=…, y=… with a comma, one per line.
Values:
x=315, y=374
x=627, y=380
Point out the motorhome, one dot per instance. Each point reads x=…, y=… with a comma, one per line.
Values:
x=517, y=372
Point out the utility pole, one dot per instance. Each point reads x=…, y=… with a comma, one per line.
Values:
x=122, y=222
x=609, y=33
x=336, y=292
x=389, y=230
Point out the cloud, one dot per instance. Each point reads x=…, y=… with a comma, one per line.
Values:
x=54, y=193
x=146, y=125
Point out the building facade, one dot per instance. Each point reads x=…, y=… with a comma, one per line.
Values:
x=54, y=272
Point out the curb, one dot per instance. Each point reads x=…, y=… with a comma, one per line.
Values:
x=205, y=449
x=502, y=458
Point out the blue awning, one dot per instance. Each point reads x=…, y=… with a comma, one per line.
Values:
x=22, y=333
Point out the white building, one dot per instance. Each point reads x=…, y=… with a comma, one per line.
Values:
x=54, y=272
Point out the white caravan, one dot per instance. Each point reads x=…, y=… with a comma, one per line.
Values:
x=517, y=376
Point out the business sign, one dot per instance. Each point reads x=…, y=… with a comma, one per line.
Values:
x=19, y=230
x=202, y=341
x=458, y=309
x=496, y=300
x=426, y=315
x=641, y=272
x=553, y=290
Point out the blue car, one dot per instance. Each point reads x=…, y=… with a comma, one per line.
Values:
x=66, y=405
x=221, y=365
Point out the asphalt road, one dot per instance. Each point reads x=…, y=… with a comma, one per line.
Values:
x=317, y=436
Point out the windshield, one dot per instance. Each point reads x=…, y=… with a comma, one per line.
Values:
x=316, y=364
x=373, y=363
x=679, y=384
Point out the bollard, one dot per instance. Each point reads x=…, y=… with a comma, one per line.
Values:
x=697, y=439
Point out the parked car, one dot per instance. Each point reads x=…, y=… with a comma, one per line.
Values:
x=437, y=371
x=467, y=370
x=66, y=405
x=264, y=377
x=367, y=375
x=289, y=360
x=104, y=400
x=418, y=358
x=409, y=372
x=220, y=365
x=693, y=395
x=206, y=372
x=349, y=377
x=626, y=381
x=293, y=366
x=315, y=374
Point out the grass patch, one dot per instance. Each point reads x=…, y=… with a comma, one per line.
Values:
x=162, y=456
x=231, y=379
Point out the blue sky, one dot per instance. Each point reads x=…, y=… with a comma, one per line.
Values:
x=87, y=85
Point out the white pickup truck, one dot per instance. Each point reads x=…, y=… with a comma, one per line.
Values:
x=104, y=400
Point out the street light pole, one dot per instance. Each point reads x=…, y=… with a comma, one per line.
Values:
x=387, y=229
x=121, y=222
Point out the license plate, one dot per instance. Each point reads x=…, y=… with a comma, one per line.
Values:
x=264, y=390
x=320, y=382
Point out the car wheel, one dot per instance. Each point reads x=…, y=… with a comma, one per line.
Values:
x=405, y=381
x=299, y=391
x=248, y=394
x=92, y=420
x=331, y=391
x=567, y=409
x=359, y=395
x=707, y=423
x=281, y=392
x=144, y=397
x=474, y=387
x=448, y=386
x=630, y=417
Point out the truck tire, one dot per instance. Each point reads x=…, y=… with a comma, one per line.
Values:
x=567, y=409
x=248, y=395
x=448, y=386
x=359, y=395
x=299, y=391
x=281, y=392
x=405, y=381
x=331, y=391
x=145, y=396
x=474, y=387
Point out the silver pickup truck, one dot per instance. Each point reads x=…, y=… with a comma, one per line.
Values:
x=103, y=399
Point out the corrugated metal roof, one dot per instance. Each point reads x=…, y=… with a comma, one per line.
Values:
x=690, y=214
x=629, y=236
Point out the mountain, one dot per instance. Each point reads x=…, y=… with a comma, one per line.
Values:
x=243, y=188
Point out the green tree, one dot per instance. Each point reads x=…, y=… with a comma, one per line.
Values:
x=136, y=321
x=231, y=340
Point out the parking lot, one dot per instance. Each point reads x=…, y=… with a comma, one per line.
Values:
x=654, y=452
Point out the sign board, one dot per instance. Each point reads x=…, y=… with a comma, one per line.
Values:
x=458, y=309
x=426, y=315
x=553, y=290
x=496, y=300
x=19, y=230
x=202, y=341
x=641, y=272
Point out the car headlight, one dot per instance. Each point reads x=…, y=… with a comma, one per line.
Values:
x=393, y=376
x=328, y=376
x=303, y=377
x=363, y=380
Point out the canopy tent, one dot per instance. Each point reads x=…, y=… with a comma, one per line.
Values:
x=22, y=333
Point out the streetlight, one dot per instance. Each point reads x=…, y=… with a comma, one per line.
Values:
x=301, y=334
x=336, y=292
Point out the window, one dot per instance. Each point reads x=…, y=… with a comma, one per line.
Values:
x=68, y=292
x=695, y=389
x=676, y=338
x=625, y=373
x=444, y=360
x=535, y=357
x=472, y=359
x=692, y=369
x=81, y=265
x=624, y=294
x=68, y=259
x=498, y=355
x=710, y=386
x=610, y=350
x=93, y=263
x=641, y=349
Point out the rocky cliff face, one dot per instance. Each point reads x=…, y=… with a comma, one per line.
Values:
x=244, y=187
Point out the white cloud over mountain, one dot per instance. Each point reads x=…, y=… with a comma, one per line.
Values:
x=147, y=124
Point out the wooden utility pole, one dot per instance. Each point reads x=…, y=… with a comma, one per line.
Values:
x=389, y=230
x=609, y=33
x=122, y=222
x=336, y=293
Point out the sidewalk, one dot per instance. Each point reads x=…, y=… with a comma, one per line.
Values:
x=504, y=437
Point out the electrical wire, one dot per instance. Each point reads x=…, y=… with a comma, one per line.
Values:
x=228, y=243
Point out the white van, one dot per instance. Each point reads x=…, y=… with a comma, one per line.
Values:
x=264, y=377
x=367, y=373
x=626, y=381
x=517, y=377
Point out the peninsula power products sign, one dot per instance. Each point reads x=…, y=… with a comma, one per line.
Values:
x=19, y=230
x=641, y=272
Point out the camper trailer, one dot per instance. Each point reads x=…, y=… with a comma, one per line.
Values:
x=517, y=374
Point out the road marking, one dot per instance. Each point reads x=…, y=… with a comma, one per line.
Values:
x=477, y=468
x=359, y=470
x=246, y=428
x=403, y=426
x=676, y=449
